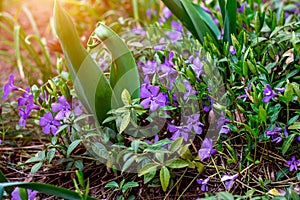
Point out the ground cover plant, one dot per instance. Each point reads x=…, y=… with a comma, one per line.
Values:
x=184, y=100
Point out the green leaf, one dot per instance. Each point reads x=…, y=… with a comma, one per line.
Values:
x=72, y=146
x=288, y=93
x=296, y=125
x=125, y=122
x=129, y=185
x=225, y=196
x=92, y=87
x=100, y=150
x=164, y=176
x=126, y=98
x=33, y=159
x=149, y=176
x=296, y=89
x=262, y=114
x=124, y=67
x=128, y=163
x=176, y=163
x=229, y=19
x=194, y=19
x=23, y=193
x=36, y=167
x=51, y=154
x=112, y=184
x=287, y=143
x=147, y=168
x=176, y=144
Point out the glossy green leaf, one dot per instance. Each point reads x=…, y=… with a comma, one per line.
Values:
x=164, y=176
x=176, y=144
x=149, y=176
x=129, y=185
x=112, y=184
x=126, y=98
x=46, y=189
x=230, y=20
x=124, y=67
x=92, y=87
x=72, y=146
x=147, y=168
x=201, y=27
x=287, y=143
x=262, y=114
x=176, y=163
x=225, y=196
x=288, y=93
x=194, y=18
x=128, y=163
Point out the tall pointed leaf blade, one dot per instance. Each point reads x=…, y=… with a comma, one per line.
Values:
x=124, y=72
x=92, y=87
x=4, y=179
x=178, y=10
x=46, y=189
x=200, y=26
x=222, y=8
x=230, y=20
x=208, y=19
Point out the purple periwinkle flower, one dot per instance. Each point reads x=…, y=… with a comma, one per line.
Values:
x=77, y=108
x=293, y=163
x=224, y=129
x=242, y=8
x=194, y=123
x=8, y=87
x=281, y=90
x=62, y=107
x=243, y=96
x=24, y=115
x=156, y=138
x=1, y=141
x=189, y=90
x=174, y=35
x=166, y=12
x=26, y=100
x=203, y=184
x=16, y=195
x=222, y=121
x=169, y=73
x=206, y=9
x=176, y=26
x=206, y=149
x=49, y=123
x=275, y=134
x=179, y=131
x=151, y=96
x=229, y=180
x=232, y=50
x=269, y=94
x=150, y=67
x=196, y=65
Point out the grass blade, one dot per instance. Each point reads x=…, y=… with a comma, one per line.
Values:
x=17, y=49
